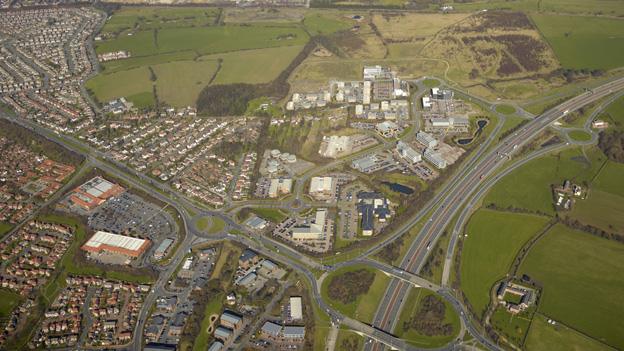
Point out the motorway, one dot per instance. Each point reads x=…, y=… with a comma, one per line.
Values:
x=391, y=304
x=448, y=201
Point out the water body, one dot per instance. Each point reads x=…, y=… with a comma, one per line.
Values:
x=481, y=124
x=399, y=188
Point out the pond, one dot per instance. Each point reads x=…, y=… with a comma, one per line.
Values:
x=481, y=124
x=399, y=188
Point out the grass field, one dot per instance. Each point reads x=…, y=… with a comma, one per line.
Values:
x=505, y=109
x=145, y=61
x=323, y=24
x=202, y=223
x=5, y=228
x=614, y=114
x=217, y=225
x=610, y=178
x=582, y=282
x=513, y=326
x=179, y=83
x=270, y=214
x=529, y=186
x=579, y=135
x=494, y=239
x=226, y=250
x=127, y=83
x=8, y=301
x=412, y=305
x=365, y=306
x=205, y=40
x=546, y=337
x=214, y=306
x=413, y=26
x=184, y=47
x=130, y=19
x=584, y=42
x=511, y=122
x=561, y=6
x=601, y=209
x=431, y=82
x=253, y=66
x=348, y=340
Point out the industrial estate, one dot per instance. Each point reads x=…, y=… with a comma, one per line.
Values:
x=311, y=175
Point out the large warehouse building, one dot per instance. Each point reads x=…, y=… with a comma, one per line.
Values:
x=94, y=192
x=104, y=242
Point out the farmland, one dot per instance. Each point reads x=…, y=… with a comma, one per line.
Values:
x=582, y=282
x=605, y=7
x=583, y=42
x=544, y=336
x=253, y=66
x=133, y=19
x=610, y=178
x=494, y=238
x=205, y=40
x=528, y=187
x=186, y=50
x=129, y=84
x=414, y=305
x=602, y=210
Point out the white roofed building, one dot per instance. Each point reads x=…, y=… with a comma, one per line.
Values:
x=115, y=243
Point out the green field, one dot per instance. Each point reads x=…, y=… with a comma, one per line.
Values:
x=610, y=178
x=365, y=306
x=270, y=214
x=144, y=61
x=179, y=83
x=320, y=24
x=602, y=210
x=127, y=84
x=253, y=66
x=216, y=226
x=528, y=187
x=348, y=340
x=8, y=301
x=546, y=337
x=412, y=305
x=614, y=114
x=584, y=42
x=513, y=326
x=505, y=109
x=5, y=228
x=184, y=48
x=494, y=239
x=608, y=7
x=214, y=306
x=511, y=122
x=579, y=135
x=130, y=19
x=202, y=223
x=205, y=40
x=582, y=282
x=431, y=82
